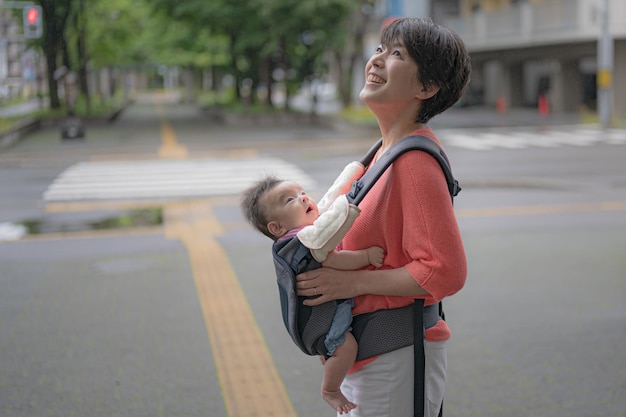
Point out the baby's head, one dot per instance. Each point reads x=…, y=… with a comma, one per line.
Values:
x=275, y=206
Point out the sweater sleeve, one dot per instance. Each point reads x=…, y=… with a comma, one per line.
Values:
x=431, y=238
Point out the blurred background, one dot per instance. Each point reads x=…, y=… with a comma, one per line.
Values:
x=130, y=284
x=555, y=56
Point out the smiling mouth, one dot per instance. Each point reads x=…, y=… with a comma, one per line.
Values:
x=309, y=209
x=373, y=78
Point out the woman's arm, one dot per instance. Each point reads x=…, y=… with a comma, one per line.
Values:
x=333, y=284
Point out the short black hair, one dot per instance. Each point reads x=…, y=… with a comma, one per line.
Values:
x=441, y=57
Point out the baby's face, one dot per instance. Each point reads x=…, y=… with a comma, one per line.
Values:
x=290, y=207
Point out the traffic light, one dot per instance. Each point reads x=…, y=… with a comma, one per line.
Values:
x=32, y=22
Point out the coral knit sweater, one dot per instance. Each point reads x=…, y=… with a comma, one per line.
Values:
x=409, y=213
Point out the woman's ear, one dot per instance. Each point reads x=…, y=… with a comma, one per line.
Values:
x=427, y=92
x=275, y=229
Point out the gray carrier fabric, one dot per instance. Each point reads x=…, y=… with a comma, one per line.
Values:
x=378, y=332
x=388, y=330
x=307, y=326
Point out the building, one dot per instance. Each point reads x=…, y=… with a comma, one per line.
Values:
x=10, y=56
x=20, y=73
x=521, y=49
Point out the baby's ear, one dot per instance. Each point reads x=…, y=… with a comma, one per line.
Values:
x=275, y=229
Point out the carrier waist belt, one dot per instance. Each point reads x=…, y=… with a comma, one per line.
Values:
x=384, y=331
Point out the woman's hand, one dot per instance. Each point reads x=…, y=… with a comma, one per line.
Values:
x=327, y=284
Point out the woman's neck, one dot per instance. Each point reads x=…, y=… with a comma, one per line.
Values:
x=395, y=129
x=395, y=121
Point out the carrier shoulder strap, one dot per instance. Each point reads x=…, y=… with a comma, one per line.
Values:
x=358, y=192
x=409, y=143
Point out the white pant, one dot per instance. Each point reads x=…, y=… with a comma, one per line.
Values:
x=384, y=387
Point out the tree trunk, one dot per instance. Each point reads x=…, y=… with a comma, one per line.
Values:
x=51, y=65
x=82, y=54
x=265, y=77
x=358, y=25
x=53, y=42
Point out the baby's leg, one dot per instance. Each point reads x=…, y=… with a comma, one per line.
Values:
x=335, y=369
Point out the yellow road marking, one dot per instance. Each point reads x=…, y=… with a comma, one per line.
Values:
x=170, y=148
x=250, y=382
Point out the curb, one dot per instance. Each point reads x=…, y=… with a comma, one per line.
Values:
x=22, y=128
x=27, y=125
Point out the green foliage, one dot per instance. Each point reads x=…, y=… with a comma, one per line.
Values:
x=359, y=115
x=120, y=32
x=248, y=39
x=7, y=124
x=134, y=218
x=288, y=34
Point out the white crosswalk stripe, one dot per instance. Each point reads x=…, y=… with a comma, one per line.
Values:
x=521, y=138
x=167, y=178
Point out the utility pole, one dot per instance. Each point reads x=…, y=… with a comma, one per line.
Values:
x=605, y=69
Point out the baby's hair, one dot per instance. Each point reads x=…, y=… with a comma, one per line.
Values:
x=251, y=207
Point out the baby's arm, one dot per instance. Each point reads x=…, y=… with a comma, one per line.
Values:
x=348, y=260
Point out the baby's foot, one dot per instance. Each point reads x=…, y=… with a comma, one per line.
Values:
x=338, y=402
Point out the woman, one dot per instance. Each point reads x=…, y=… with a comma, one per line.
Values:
x=419, y=70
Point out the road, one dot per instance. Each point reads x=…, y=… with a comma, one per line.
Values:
x=182, y=318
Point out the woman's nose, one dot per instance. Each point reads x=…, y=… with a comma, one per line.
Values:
x=378, y=61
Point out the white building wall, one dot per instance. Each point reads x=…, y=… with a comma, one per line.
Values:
x=417, y=8
x=545, y=37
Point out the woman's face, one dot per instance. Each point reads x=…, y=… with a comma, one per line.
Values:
x=391, y=77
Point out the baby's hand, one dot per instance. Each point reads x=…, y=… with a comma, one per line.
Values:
x=375, y=255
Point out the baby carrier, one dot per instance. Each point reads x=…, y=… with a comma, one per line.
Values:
x=376, y=332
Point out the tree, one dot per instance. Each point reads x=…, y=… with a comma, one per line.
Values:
x=55, y=14
x=264, y=35
x=249, y=39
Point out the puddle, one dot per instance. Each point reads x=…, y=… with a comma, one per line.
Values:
x=77, y=222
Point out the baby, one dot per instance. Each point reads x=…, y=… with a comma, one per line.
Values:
x=280, y=209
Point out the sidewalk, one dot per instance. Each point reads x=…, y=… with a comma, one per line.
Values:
x=481, y=117
x=457, y=117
